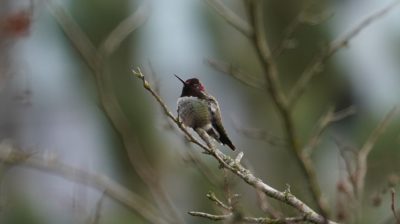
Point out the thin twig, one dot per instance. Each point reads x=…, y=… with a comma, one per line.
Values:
x=236, y=168
x=228, y=191
x=236, y=72
x=340, y=115
x=362, y=156
x=208, y=174
x=393, y=205
x=290, y=30
x=266, y=206
x=248, y=219
x=349, y=166
x=99, y=205
x=259, y=134
x=327, y=119
x=316, y=65
x=231, y=17
x=287, y=37
x=210, y=216
x=211, y=195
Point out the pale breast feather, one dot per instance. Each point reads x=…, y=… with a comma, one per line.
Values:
x=193, y=111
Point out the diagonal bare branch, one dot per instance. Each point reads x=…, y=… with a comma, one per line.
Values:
x=315, y=67
x=236, y=168
x=231, y=17
x=125, y=28
x=75, y=34
x=237, y=73
x=264, y=54
x=211, y=195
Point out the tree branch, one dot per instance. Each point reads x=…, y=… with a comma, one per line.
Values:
x=361, y=167
x=237, y=73
x=393, y=205
x=275, y=90
x=99, y=205
x=316, y=65
x=95, y=58
x=211, y=195
x=231, y=17
x=236, y=168
x=74, y=33
x=248, y=219
x=124, y=28
x=324, y=122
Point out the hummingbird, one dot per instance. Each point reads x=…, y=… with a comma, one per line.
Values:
x=200, y=111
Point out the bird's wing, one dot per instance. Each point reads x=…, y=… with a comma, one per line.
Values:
x=216, y=122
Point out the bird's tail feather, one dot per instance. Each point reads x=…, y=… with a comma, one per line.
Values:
x=225, y=140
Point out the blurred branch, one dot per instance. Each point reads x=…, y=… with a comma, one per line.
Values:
x=324, y=122
x=120, y=194
x=316, y=65
x=264, y=53
x=74, y=33
x=349, y=165
x=231, y=17
x=278, y=96
x=208, y=174
x=248, y=219
x=301, y=18
x=230, y=197
x=285, y=104
x=125, y=28
x=356, y=167
x=266, y=206
x=109, y=101
x=275, y=90
x=393, y=205
x=99, y=205
x=361, y=167
x=259, y=134
x=236, y=168
x=290, y=31
x=236, y=72
x=287, y=36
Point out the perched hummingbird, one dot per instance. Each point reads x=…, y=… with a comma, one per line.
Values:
x=200, y=111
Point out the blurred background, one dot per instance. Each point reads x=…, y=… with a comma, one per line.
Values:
x=52, y=103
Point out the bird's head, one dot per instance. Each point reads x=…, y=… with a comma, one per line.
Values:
x=191, y=87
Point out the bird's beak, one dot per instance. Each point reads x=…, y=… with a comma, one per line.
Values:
x=184, y=83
